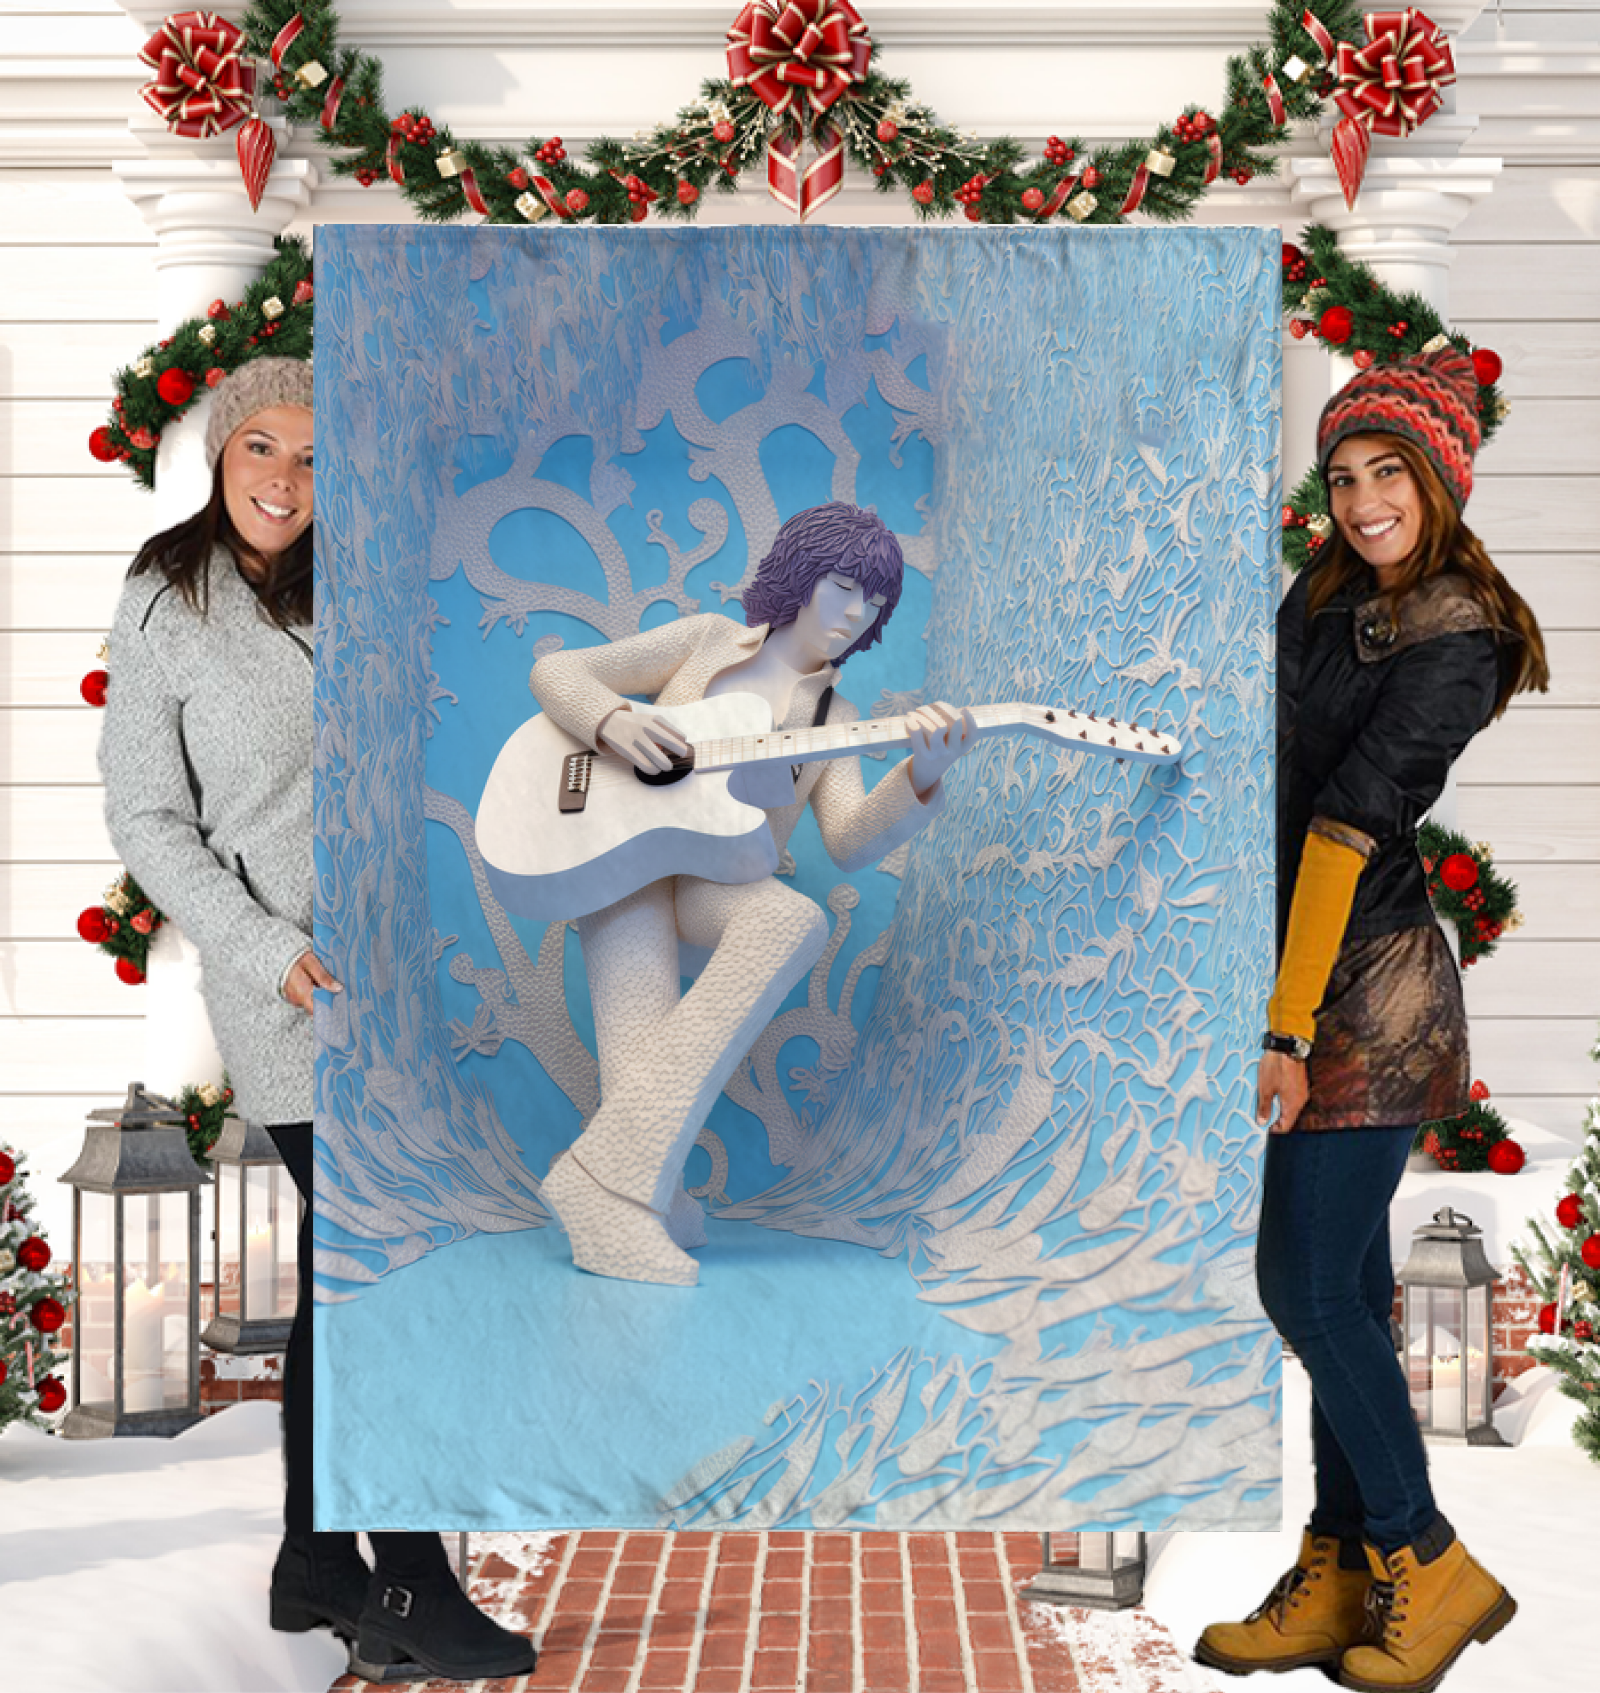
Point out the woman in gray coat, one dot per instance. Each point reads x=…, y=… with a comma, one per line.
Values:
x=206, y=757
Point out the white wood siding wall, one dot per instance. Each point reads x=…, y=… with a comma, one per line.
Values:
x=77, y=293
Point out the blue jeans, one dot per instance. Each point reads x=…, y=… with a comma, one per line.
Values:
x=1326, y=1280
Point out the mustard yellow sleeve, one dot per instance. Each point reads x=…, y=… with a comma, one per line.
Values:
x=1330, y=866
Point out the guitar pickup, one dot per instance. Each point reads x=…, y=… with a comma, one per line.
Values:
x=577, y=768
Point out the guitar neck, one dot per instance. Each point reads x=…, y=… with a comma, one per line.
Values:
x=808, y=746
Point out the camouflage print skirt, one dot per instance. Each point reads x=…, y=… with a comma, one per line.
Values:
x=1391, y=1043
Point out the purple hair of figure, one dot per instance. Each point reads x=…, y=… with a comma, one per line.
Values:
x=835, y=537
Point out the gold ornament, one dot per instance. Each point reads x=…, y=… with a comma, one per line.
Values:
x=311, y=75
x=272, y=308
x=208, y=334
x=1081, y=205
x=1438, y=344
x=1295, y=68
x=103, y=653
x=143, y=368
x=451, y=162
x=1159, y=162
x=1320, y=524
x=531, y=206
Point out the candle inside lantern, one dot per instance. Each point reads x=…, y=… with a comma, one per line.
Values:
x=142, y=1346
x=259, y=1273
x=1447, y=1414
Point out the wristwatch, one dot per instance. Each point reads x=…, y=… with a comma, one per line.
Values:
x=1292, y=1046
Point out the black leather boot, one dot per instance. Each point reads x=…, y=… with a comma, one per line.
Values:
x=426, y=1621
x=319, y=1582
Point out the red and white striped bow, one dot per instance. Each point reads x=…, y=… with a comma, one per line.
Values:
x=202, y=86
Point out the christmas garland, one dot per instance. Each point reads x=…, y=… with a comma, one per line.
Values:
x=735, y=124
x=33, y=1308
x=1467, y=890
x=204, y=1109
x=1477, y=1140
x=122, y=926
x=171, y=377
x=1564, y=1267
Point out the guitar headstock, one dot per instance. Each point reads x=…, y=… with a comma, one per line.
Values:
x=1087, y=731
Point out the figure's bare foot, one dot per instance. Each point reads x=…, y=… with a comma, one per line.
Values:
x=610, y=1235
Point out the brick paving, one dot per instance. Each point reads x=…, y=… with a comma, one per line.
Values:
x=742, y=1612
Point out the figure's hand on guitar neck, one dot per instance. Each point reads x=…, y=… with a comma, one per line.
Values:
x=939, y=736
x=644, y=736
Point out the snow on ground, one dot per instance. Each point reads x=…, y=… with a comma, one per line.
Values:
x=141, y=1566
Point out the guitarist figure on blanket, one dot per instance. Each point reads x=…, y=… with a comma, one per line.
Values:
x=825, y=591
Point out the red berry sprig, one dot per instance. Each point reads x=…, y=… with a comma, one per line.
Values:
x=1195, y=127
x=552, y=152
x=1057, y=152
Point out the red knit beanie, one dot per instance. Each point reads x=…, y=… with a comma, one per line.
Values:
x=1431, y=400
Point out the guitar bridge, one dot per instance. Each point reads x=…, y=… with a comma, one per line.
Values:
x=576, y=770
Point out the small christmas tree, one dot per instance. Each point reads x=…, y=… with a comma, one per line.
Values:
x=1476, y=1140
x=33, y=1306
x=1564, y=1266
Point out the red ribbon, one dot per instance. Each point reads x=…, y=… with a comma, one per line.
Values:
x=201, y=86
x=792, y=54
x=551, y=196
x=474, y=194
x=1062, y=193
x=397, y=171
x=330, y=106
x=1274, y=99
x=1213, y=158
x=1136, y=188
x=1391, y=86
x=285, y=39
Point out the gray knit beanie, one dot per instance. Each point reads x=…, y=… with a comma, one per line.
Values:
x=257, y=386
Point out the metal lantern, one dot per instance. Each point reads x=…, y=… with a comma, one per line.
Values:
x=253, y=1253
x=1103, y=1571
x=1447, y=1290
x=135, y=1270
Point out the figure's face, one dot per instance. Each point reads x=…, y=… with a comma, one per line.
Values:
x=836, y=616
x=267, y=480
x=1375, y=501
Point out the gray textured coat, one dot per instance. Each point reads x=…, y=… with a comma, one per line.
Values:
x=206, y=758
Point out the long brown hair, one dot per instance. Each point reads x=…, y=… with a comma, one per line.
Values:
x=283, y=584
x=1446, y=543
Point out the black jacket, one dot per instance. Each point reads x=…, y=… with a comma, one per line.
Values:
x=1371, y=715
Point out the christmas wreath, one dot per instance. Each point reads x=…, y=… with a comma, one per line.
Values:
x=34, y=1300
x=1467, y=890
x=1477, y=1140
x=204, y=1110
x=122, y=925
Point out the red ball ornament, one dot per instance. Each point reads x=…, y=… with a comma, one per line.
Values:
x=1362, y=359
x=886, y=132
x=1506, y=1157
x=142, y=439
x=33, y=1254
x=1292, y=256
x=143, y=921
x=93, y=687
x=1486, y=366
x=1480, y=1092
x=1203, y=123
x=8, y=1168
x=723, y=131
x=92, y=925
x=175, y=386
x=1547, y=1319
x=1299, y=328
x=47, y=1315
x=102, y=447
x=366, y=177
x=1589, y=1252
x=577, y=201
x=1032, y=199
x=1458, y=872
x=52, y=1395
x=1336, y=325
x=1569, y=1213
x=303, y=291
x=1091, y=177
x=687, y=193
x=923, y=193
x=129, y=972
x=215, y=375
x=518, y=178
x=218, y=311
x=974, y=212
x=1583, y=1331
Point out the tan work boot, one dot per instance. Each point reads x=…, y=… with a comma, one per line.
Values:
x=1426, y=1615
x=1316, y=1611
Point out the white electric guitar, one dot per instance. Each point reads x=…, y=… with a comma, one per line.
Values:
x=564, y=831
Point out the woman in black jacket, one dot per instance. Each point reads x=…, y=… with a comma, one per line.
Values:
x=1394, y=649
x=206, y=757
